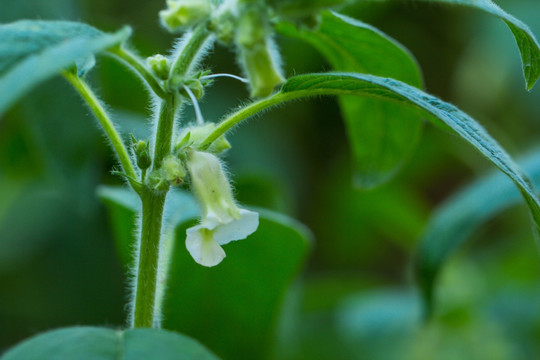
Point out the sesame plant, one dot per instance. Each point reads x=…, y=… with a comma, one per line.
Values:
x=177, y=184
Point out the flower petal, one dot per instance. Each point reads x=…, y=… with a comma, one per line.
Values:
x=237, y=229
x=211, y=187
x=202, y=246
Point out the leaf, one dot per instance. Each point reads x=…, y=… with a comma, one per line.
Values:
x=92, y=343
x=525, y=39
x=234, y=307
x=225, y=307
x=389, y=89
x=434, y=108
x=33, y=51
x=382, y=134
x=303, y=8
x=460, y=216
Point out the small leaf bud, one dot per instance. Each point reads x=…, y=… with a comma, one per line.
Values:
x=181, y=14
x=159, y=65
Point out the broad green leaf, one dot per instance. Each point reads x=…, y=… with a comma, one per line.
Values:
x=33, y=51
x=525, y=39
x=234, y=307
x=302, y=8
x=435, y=109
x=92, y=343
x=382, y=134
x=459, y=217
x=389, y=89
x=226, y=307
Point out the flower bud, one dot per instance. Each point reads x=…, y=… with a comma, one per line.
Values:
x=142, y=153
x=172, y=170
x=181, y=14
x=261, y=65
x=196, y=88
x=159, y=65
x=211, y=186
x=223, y=26
x=195, y=135
x=258, y=54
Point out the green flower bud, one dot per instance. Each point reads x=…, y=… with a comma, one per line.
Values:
x=258, y=54
x=253, y=27
x=195, y=135
x=196, y=88
x=181, y=14
x=172, y=170
x=141, y=149
x=224, y=26
x=261, y=65
x=159, y=65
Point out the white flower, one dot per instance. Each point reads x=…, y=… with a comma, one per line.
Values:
x=222, y=221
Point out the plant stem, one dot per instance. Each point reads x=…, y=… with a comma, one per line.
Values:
x=108, y=126
x=145, y=310
x=240, y=115
x=165, y=128
x=189, y=52
x=152, y=217
x=140, y=68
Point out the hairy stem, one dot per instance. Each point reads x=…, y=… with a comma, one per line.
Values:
x=106, y=123
x=145, y=310
x=136, y=64
x=244, y=113
x=165, y=128
x=144, y=314
x=189, y=52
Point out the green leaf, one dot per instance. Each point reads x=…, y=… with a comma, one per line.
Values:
x=33, y=51
x=382, y=134
x=459, y=217
x=234, y=307
x=226, y=307
x=303, y=8
x=525, y=39
x=434, y=108
x=92, y=343
x=393, y=90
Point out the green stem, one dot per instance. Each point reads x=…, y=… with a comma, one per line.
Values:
x=165, y=129
x=145, y=310
x=189, y=52
x=144, y=314
x=140, y=68
x=243, y=114
x=108, y=126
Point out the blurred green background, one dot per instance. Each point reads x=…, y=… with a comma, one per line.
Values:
x=58, y=262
